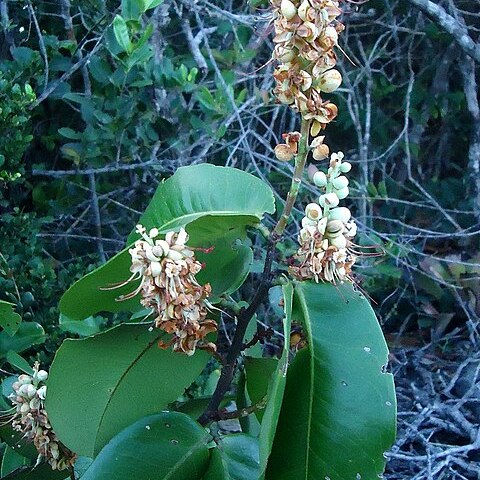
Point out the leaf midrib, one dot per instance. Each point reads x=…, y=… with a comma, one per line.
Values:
x=117, y=385
x=307, y=323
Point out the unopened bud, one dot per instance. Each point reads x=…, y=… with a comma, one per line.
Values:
x=320, y=179
x=345, y=167
x=330, y=81
x=334, y=228
x=153, y=233
x=42, y=375
x=340, y=182
x=23, y=379
x=156, y=269
x=288, y=9
x=343, y=193
x=339, y=242
x=340, y=213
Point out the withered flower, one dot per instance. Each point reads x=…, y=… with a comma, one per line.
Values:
x=166, y=270
x=31, y=419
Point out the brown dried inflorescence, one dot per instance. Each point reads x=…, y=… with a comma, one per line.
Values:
x=166, y=270
x=306, y=32
x=31, y=419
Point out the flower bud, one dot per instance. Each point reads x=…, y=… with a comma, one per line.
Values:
x=343, y=193
x=320, y=179
x=340, y=213
x=23, y=379
x=339, y=242
x=42, y=375
x=328, y=199
x=329, y=81
x=157, y=250
x=31, y=391
x=334, y=228
x=153, y=233
x=24, y=389
x=25, y=408
x=345, y=167
x=313, y=211
x=288, y=9
x=283, y=152
x=156, y=268
x=340, y=182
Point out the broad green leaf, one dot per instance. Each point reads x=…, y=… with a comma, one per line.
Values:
x=168, y=445
x=234, y=458
x=120, y=29
x=111, y=380
x=276, y=386
x=11, y=461
x=16, y=360
x=216, y=205
x=85, y=297
x=9, y=320
x=16, y=442
x=339, y=405
x=200, y=190
x=28, y=334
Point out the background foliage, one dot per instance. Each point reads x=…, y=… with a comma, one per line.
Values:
x=95, y=112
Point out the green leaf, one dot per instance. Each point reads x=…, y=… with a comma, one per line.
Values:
x=276, y=387
x=216, y=205
x=16, y=360
x=152, y=4
x=120, y=29
x=339, y=405
x=132, y=9
x=17, y=442
x=111, y=380
x=168, y=445
x=28, y=334
x=84, y=328
x=11, y=461
x=234, y=458
x=9, y=320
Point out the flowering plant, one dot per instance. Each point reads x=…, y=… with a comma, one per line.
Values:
x=156, y=396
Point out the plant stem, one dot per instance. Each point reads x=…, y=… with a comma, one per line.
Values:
x=228, y=370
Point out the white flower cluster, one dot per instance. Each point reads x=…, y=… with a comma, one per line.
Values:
x=31, y=419
x=166, y=270
x=327, y=229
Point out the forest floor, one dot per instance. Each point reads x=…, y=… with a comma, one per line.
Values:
x=438, y=393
